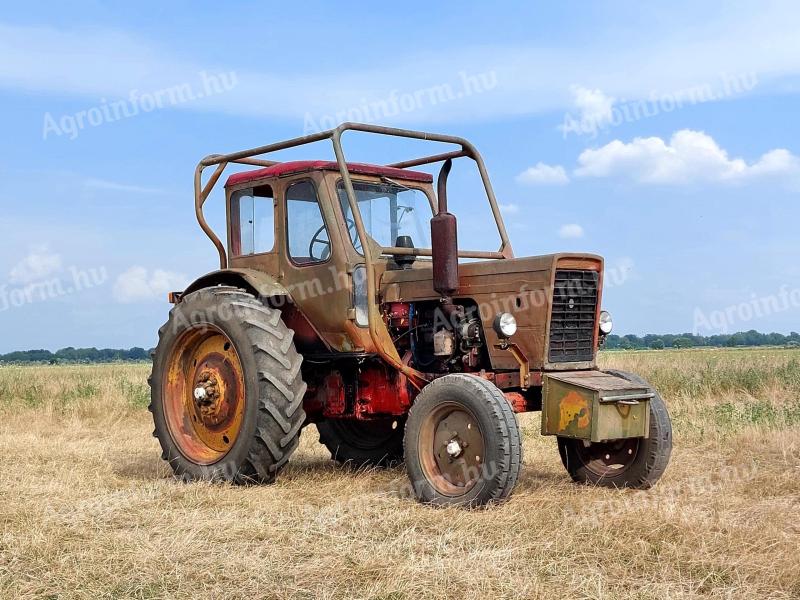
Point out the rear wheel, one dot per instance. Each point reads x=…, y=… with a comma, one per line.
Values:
x=226, y=388
x=632, y=463
x=462, y=443
x=363, y=443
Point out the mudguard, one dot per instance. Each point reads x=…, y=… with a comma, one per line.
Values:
x=258, y=282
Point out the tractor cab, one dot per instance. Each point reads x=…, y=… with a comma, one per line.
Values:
x=293, y=220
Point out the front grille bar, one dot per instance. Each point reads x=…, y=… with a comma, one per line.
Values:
x=572, y=319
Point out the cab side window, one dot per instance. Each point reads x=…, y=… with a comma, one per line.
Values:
x=307, y=234
x=253, y=212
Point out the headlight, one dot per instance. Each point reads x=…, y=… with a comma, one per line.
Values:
x=606, y=324
x=505, y=325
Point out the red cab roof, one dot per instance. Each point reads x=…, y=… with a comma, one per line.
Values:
x=300, y=166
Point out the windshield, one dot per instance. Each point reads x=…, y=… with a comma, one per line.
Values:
x=389, y=210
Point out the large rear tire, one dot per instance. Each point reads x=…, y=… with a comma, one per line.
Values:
x=630, y=463
x=462, y=443
x=226, y=388
x=363, y=443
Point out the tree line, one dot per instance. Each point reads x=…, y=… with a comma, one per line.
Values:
x=76, y=355
x=650, y=341
x=688, y=340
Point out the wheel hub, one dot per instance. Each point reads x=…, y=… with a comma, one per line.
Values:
x=207, y=398
x=454, y=448
x=451, y=449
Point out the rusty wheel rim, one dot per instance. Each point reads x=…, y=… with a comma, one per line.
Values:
x=204, y=395
x=451, y=449
x=608, y=459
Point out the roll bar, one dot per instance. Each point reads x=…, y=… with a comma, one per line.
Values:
x=247, y=157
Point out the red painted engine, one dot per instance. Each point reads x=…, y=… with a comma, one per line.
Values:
x=371, y=393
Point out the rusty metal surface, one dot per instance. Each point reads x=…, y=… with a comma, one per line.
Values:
x=205, y=395
x=521, y=286
x=444, y=240
x=573, y=406
x=451, y=449
x=597, y=380
x=261, y=281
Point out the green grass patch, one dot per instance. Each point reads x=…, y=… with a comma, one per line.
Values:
x=755, y=413
x=136, y=393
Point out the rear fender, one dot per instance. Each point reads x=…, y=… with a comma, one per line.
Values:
x=260, y=284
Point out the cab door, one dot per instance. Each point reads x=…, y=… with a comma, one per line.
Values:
x=314, y=266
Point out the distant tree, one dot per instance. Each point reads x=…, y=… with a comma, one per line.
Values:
x=657, y=344
x=137, y=354
x=682, y=342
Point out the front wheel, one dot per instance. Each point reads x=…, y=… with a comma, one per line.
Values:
x=462, y=443
x=628, y=463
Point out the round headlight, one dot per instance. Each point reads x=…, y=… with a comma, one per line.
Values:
x=606, y=324
x=505, y=325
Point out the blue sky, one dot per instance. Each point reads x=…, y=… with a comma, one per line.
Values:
x=664, y=137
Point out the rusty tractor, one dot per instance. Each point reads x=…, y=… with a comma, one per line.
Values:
x=344, y=300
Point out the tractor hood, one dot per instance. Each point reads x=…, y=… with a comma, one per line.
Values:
x=555, y=300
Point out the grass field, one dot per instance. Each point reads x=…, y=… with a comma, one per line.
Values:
x=88, y=509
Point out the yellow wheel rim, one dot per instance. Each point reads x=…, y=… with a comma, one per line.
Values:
x=204, y=395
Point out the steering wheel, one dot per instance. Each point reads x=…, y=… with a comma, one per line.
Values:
x=322, y=240
x=318, y=239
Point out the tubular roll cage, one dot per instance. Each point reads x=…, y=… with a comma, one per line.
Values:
x=248, y=157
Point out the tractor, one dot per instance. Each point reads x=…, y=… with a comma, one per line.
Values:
x=343, y=300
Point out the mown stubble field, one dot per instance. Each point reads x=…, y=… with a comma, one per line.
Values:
x=88, y=509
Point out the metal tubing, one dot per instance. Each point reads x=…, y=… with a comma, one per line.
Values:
x=387, y=351
x=427, y=160
x=200, y=196
x=469, y=150
x=393, y=250
x=215, y=159
x=441, y=185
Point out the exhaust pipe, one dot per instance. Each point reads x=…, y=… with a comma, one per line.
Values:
x=444, y=242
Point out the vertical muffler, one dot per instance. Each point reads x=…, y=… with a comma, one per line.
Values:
x=444, y=242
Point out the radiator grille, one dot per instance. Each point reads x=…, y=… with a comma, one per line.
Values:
x=572, y=322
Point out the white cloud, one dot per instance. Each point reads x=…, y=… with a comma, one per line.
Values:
x=137, y=284
x=680, y=53
x=509, y=209
x=37, y=265
x=570, y=231
x=543, y=174
x=689, y=157
x=594, y=106
x=113, y=186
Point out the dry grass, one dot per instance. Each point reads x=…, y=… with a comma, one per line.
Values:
x=89, y=511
